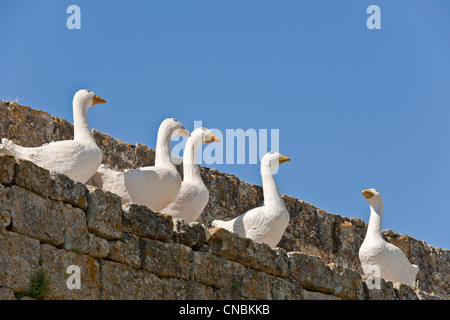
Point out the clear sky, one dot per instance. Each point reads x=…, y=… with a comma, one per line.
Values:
x=355, y=108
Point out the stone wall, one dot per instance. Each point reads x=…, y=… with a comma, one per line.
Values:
x=50, y=222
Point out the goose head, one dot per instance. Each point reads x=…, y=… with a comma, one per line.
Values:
x=175, y=128
x=373, y=197
x=203, y=136
x=86, y=98
x=271, y=161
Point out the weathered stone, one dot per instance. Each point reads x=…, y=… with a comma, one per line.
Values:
x=272, y=261
x=227, y=294
x=211, y=270
x=405, y=292
x=121, y=282
x=253, y=284
x=96, y=247
x=173, y=289
x=7, y=294
x=5, y=219
x=37, y=217
x=167, y=259
x=104, y=214
x=67, y=190
x=348, y=284
x=32, y=177
x=259, y=256
x=77, y=236
x=55, y=263
x=143, y=222
x=231, y=246
x=126, y=250
x=197, y=291
x=383, y=290
x=7, y=164
x=428, y=296
x=19, y=258
x=311, y=272
x=311, y=295
x=283, y=289
x=190, y=234
x=5, y=198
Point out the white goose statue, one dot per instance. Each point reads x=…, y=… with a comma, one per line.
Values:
x=266, y=223
x=377, y=254
x=193, y=195
x=154, y=186
x=78, y=158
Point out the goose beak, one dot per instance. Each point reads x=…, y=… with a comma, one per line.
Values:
x=183, y=132
x=283, y=159
x=97, y=100
x=367, y=193
x=212, y=138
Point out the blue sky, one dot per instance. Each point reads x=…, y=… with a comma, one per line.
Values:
x=355, y=108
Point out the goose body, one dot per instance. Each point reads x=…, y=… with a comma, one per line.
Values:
x=193, y=195
x=267, y=223
x=154, y=186
x=377, y=254
x=78, y=158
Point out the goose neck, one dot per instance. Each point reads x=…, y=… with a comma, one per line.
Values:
x=375, y=221
x=82, y=131
x=270, y=190
x=191, y=170
x=163, y=152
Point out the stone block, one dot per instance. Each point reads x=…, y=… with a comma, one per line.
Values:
x=167, y=259
x=311, y=272
x=32, y=177
x=258, y=256
x=143, y=222
x=252, y=284
x=77, y=236
x=405, y=292
x=197, y=291
x=283, y=289
x=231, y=246
x=173, y=289
x=211, y=270
x=37, y=217
x=121, y=282
x=312, y=295
x=54, y=263
x=104, y=214
x=380, y=289
x=7, y=294
x=190, y=234
x=19, y=260
x=5, y=198
x=348, y=284
x=7, y=164
x=126, y=250
x=67, y=190
x=5, y=219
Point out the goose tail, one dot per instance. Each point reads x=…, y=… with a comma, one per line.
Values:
x=5, y=147
x=220, y=224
